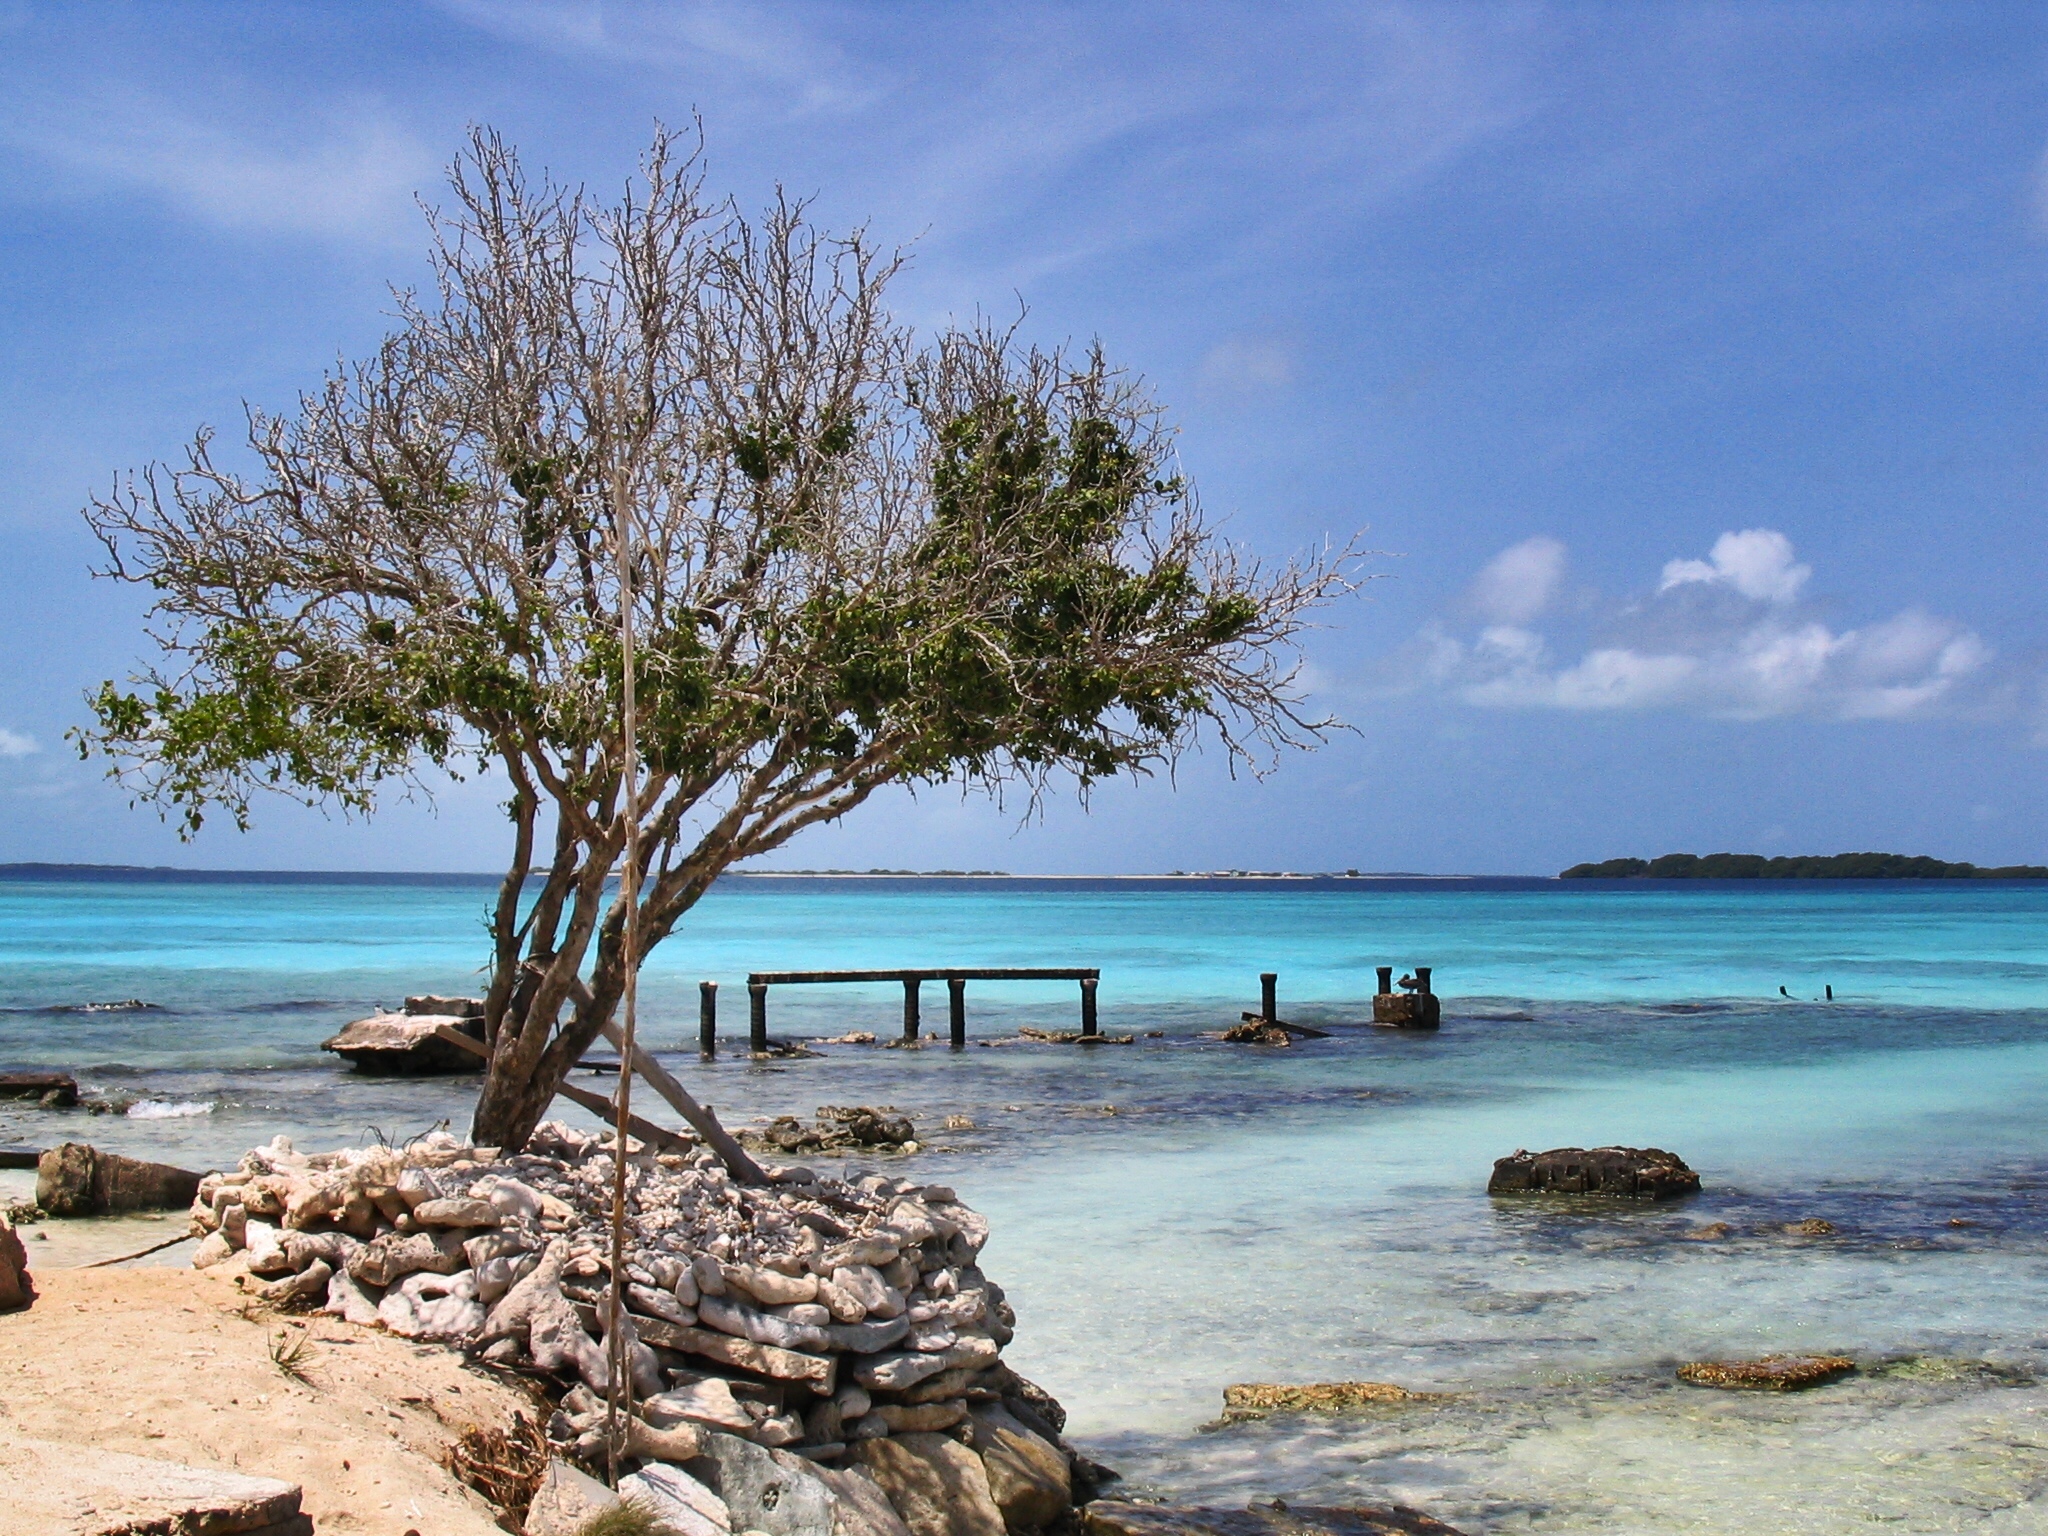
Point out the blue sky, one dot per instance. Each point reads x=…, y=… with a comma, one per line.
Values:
x=1685, y=361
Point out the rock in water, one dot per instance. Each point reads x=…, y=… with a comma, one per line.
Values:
x=1253, y=1399
x=16, y=1289
x=1645, y=1173
x=1773, y=1373
x=765, y=1489
x=79, y=1180
x=406, y=1045
x=936, y=1484
x=55, y=1090
x=1115, y=1518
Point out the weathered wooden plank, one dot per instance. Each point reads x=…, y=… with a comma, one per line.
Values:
x=700, y=1119
x=978, y=973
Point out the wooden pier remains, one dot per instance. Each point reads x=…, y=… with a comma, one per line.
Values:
x=1413, y=1007
x=955, y=978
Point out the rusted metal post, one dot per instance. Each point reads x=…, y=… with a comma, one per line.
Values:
x=1269, y=987
x=1087, y=1005
x=757, y=1017
x=707, y=1019
x=910, y=986
x=1422, y=979
x=956, y=999
x=1386, y=978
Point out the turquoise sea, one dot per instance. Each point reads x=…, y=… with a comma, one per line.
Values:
x=1177, y=1214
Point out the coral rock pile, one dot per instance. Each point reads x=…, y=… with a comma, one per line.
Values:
x=840, y=1328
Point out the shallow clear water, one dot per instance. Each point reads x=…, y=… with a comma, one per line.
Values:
x=1177, y=1214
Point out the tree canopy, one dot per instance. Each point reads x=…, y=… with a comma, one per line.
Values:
x=858, y=558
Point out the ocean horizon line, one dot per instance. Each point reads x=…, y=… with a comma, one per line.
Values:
x=47, y=870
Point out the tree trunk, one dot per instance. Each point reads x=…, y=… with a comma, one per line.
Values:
x=508, y=1109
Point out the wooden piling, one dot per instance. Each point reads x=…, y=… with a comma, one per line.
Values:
x=757, y=1017
x=1422, y=980
x=707, y=1019
x=1269, y=999
x=956, y=1002
x=910, y=1020
x=1088, y=1005
x=1386, y=979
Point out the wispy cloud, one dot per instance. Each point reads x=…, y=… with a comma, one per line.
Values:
x=1059, y=135
x=340, y=169
x=1724, y=636
x=768, y=45
x=15, y=744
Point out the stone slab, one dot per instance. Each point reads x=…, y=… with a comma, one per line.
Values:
x=78, y=1490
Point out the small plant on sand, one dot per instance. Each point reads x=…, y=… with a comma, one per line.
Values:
x=291, y=1351
x=628, y=1517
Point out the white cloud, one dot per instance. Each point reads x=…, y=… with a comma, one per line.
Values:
x=1756, y=562
x=1752, y=657
x=1517, y=584
x=14, y=744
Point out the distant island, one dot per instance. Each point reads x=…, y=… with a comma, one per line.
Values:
x=1754, y=866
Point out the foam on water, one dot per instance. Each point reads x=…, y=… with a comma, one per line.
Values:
x=167, y=1109
x=1176, y=1214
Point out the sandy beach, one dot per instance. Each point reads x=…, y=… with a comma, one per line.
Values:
x=175, y=1365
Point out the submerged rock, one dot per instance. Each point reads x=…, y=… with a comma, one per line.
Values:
x=837, y=1127
x=1644, y=1173
x=1249, y=1399
x=1772, y=1373
x=1114, y=1518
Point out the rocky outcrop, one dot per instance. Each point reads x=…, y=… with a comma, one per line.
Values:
x=1275, y=1519
x=79, y=1180
x=408, y=1044
x=1772, y=1373
x=16, y=1289
x=1643, y=1173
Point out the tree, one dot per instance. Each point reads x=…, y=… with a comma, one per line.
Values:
x=856, y=560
